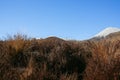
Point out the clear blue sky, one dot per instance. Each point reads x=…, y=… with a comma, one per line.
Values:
x=69, y=19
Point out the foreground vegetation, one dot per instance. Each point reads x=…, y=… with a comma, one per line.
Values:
x=23, y=58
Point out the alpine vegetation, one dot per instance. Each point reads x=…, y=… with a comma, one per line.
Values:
x=52, y=58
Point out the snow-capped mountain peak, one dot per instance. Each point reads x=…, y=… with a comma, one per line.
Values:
x=107, y=31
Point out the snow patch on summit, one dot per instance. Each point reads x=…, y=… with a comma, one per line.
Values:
x=107, y=31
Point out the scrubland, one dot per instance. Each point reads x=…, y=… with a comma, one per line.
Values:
x=52, y=58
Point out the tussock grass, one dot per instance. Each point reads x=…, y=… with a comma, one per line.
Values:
x=22, y=58
x=105, y=61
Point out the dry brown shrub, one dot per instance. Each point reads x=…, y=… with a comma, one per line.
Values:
x=17, y=42
x=66, y=76
x=4, y=52
x=105, y=61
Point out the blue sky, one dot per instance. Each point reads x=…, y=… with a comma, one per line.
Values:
x=69, y=19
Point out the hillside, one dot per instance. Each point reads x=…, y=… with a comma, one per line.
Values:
x=53, y=58
x=108, y=33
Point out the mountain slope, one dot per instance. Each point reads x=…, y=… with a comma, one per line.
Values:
x=107, y=31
